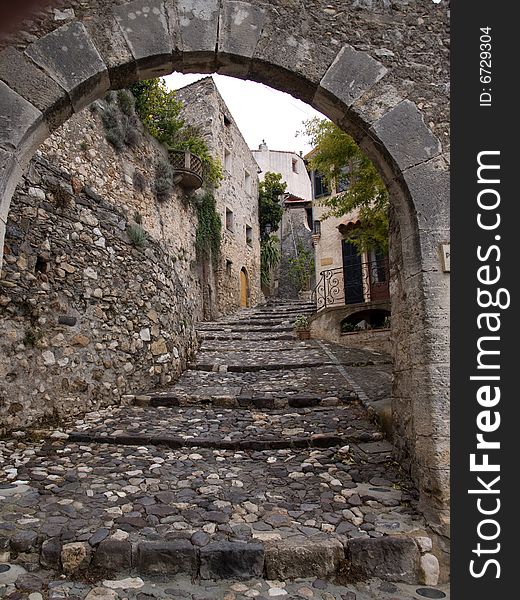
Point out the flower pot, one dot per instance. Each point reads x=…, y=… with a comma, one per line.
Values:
x=303, y=334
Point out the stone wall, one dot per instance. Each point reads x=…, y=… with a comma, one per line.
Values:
x=294, y=229
x=86, y=317
x=79, y=297
x=238, y=193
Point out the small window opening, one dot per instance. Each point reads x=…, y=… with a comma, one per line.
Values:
x=295, y=165
x=249, y=235
x=230, y=220
x=41, y=265
x=227, y=121
x=227, y=160
x=229, y=264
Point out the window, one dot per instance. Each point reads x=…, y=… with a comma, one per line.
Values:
x=227, y=160
x=249, y=235
x=320, y=187
x=227, y=121
x=247, y=182
x=295, y=165
x=230, y=220
x=316, y=230
x=229, y=264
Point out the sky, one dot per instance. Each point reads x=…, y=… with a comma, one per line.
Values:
x=260, y=112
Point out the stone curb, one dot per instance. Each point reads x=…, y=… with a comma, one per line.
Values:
x=394, y=558
x=312, y=441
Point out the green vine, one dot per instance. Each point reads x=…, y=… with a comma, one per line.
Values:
x=208, y=236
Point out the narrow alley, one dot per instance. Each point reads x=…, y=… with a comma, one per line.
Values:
x=260, y=462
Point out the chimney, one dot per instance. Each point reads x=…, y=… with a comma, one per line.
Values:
x=263, y=146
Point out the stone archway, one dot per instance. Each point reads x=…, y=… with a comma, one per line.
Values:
x=43, y=83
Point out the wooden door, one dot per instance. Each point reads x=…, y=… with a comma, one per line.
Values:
x=244, y=289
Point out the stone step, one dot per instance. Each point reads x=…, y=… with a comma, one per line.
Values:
x=240, y=400
x=212, y=514
x=245, y=335
x=254, y=366
x=225, y=428
x=241, y=327
x=278, y=385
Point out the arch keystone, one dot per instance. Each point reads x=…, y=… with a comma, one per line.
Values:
x=404, y=134
x=352, y=73
x=145, y=27
x=69, y=56
x=198, y=22
x=241, y=25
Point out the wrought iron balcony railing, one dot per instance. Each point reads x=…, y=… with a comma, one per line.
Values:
x=188, y=169
x=353, y=284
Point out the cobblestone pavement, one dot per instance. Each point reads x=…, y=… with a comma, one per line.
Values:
x=267, y=472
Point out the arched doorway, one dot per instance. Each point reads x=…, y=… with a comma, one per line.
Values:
x=244, y=288
x=65, y=67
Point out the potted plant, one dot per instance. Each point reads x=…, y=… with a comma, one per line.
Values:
x=302, y=327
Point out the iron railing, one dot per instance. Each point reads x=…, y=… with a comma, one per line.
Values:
x=188, y=166
x=353, y=284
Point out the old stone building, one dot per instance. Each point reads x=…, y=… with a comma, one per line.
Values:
x=103, y=278
x=236, y=281
x=351, y=288
x=294, y=232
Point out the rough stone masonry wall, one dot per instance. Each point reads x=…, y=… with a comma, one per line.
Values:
x=80, y=148
x=85, y=316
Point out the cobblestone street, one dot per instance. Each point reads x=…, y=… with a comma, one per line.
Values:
x=261, y=461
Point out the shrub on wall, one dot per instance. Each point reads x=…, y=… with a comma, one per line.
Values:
x=163, y=184
x=120, y=120
x=137, y=235
x=159, y=111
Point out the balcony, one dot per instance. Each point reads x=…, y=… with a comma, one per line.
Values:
x=360, y=286
x=187, y=168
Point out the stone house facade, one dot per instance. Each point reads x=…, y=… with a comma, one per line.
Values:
x=352, y=292
x=233, y=278
x=295, y=230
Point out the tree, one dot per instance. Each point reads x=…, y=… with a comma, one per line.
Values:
x=160, y=112
x=270, y=192
x=337, y=157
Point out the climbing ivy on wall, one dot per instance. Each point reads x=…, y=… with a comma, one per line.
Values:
x=160, y=112
x=209, y=228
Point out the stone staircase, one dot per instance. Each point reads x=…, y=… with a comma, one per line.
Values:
x=260, y=462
